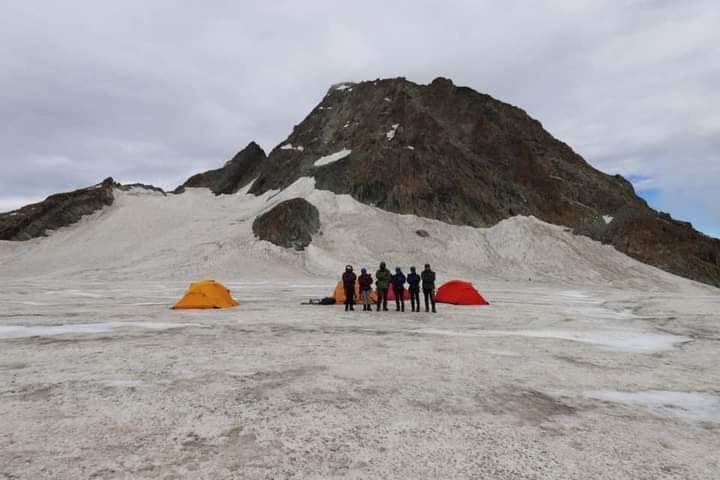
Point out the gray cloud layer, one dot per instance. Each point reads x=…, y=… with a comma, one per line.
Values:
x=154, y=91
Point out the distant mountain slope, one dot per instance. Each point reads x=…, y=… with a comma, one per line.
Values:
x=437, y=151
x=450, y=153
x=55, y=211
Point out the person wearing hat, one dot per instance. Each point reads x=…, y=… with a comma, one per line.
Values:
x=382, y=282
x=413, y=280
x=348, y=279
x=365, y=280
x=428, y=286
x=398, y=283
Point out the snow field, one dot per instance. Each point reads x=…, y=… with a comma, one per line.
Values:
x=582, y=353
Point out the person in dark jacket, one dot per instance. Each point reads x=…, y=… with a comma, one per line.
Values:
x=382, y=281
x=365, y=280
x=413, y=280
x=348, y=279
x=428, y=286
x=398, y=283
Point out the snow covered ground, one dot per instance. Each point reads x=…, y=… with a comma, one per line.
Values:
x=586, y=364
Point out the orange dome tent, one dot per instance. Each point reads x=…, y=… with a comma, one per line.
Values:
x=206, y=294
x=458, y=292
x=339, y=294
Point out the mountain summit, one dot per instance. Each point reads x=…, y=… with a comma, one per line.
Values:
x=437, y=151
x=450, y=153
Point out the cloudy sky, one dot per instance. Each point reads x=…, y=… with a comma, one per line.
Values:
x=154, y=91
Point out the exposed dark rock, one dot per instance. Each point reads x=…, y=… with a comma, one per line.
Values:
x=422, y=233
x=659, y=240
x=290, y=224
x=56, y=211
x=456, y=155
x=234, y=175
x=130, y=186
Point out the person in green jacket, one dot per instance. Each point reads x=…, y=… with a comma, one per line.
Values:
x=382, y=280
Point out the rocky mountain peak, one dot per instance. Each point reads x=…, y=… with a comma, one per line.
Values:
x=439, y=151
x=450, y=153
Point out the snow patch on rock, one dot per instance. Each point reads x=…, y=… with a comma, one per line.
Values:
x=608, y=219
x=391, y=133
x=332, y=158
x=289, y=146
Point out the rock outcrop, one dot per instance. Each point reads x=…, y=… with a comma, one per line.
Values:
x=658, y=239
x=56, y=211
x=450, y=153
x=235, y=174
x=144, y=186
x=290, y=224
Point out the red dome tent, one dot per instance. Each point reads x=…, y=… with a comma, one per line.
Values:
x=458, y=292
x=391, y=294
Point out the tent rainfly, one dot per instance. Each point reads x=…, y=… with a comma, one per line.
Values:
x=458, y=292
x=206, y=294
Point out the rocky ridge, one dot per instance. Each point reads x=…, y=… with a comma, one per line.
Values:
x=61, y=209
x=56, y=211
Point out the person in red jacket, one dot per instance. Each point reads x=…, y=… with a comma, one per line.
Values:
x=348, y=279
x=365, y=280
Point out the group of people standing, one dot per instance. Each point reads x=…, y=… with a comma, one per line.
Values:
x=384, y=280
